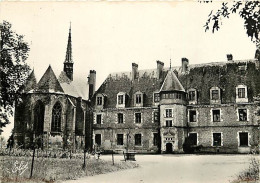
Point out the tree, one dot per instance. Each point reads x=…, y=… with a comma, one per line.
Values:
x=13, y=70
x=248, y=10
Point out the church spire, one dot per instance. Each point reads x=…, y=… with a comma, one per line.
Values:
x=68, y=63
x=69, y=49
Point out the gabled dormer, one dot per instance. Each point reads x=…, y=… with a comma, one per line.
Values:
x=215, y=95
x=241, y=94
x=139, y=99
x=192, y=96
x=121, y=100
x=100, y=100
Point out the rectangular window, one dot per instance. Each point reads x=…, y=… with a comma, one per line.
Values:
x=138, y=117
x=99, y=117
x=168, y=123
x=98, y=139
x=242, y=113
x=243, y=139
x=138, y=98
x=194, y=138
x=120, y=139
x=156, y=97
x=178, y=95
x=99, y=100
x=216, y=139
x=216, y=115
x=193, y=116
x=241, y=93
x=214, y=95
x=168, y=113
x=120, y=99
x=138, y=139
x=192, y=95
x=156, y=117
x=155, y=139
x=120, y=118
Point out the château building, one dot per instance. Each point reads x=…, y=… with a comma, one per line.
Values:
x=215, y=105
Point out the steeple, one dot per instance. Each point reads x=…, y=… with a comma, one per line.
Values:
x=68, y=63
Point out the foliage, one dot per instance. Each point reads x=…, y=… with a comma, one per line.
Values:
x=52, y=169
x=251, y=174
x=13, y=70
x=2, y=142
x=248, y=10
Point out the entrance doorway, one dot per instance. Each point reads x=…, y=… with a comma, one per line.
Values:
x=169, y=148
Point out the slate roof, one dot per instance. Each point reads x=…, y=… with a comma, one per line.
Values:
x=202, y=77
x=63, y=85
x=171, y=83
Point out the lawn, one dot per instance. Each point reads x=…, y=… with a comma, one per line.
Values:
x=17, y=169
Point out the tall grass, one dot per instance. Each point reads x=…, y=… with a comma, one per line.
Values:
x=52, y=169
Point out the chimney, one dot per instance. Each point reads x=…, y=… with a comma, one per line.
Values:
x=184, y=66
x=134, y=71
x=92, y=83
x=159, y=69
x=229, y=57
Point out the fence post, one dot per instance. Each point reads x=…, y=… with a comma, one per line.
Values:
x=32, y=162
x=84, y=164
x=113, y=157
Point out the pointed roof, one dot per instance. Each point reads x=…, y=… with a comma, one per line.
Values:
x=30, y=83
x=171, y=83
x=49, y=82
x=68, y=58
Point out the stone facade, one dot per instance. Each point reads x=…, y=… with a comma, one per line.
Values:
x=155, y=111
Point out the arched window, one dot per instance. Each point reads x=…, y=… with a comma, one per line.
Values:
x=38, y=118
x=56, y=118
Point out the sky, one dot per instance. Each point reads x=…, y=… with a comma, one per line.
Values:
x=109, y=36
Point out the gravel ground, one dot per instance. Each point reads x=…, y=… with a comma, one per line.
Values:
x=176, y=169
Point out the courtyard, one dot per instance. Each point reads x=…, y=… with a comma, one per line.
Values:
x=176, y=169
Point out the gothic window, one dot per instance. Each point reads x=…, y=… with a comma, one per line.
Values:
x=120, y=139
x=216, y=139
x=56, y=118
x=138, y=139
x=38, y=118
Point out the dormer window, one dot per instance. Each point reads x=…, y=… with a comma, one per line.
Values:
x=99, y=100
x=121, y=99
x=241, y=93
x=138, y=102
x=215, y=97
x=192, y=96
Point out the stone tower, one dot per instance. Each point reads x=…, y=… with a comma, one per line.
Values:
x=68, y=63
x=172, y=114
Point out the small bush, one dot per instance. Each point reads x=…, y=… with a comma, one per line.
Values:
x=249, y=175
